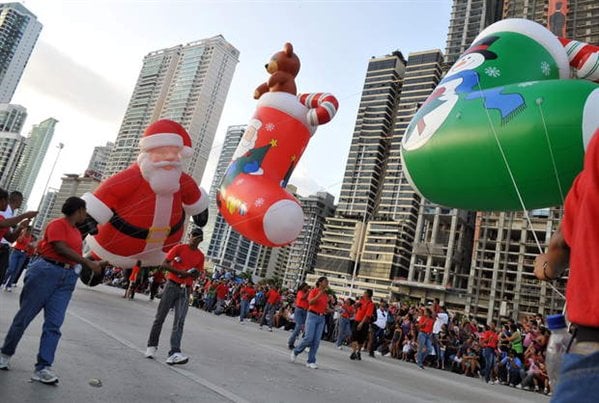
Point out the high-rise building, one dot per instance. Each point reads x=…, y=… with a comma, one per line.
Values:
x=574, y=19
x=303, y=251
x=468, y=18
x=12, y=118
x=19, y=30
x=33, y=156
x=45, y=210
x=502, y=283
x=98, y=161
x=185, y=83
x=71, y=185
x=11, y=148
x=344, y=236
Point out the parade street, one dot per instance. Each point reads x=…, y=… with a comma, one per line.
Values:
x=104, y=338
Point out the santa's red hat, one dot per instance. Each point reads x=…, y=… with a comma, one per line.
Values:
x=166, y=132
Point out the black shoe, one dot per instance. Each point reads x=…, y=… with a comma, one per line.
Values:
x=353, y=356
x=290, y=347
x=359, y=356
x=371, y=353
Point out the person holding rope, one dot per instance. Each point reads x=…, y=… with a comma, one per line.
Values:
x=574, y=244
x=49, y=285
x=184, y=263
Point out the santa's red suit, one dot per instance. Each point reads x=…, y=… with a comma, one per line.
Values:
x=136, y=223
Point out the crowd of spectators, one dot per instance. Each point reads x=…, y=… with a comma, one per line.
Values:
x=507, y=353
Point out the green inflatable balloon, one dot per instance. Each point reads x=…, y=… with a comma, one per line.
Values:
x=506, y=119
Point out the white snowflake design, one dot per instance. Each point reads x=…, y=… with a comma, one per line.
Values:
x=493, y=72
x=546, y=68
x=269, y=127
x=240, y=181
x=259, y=202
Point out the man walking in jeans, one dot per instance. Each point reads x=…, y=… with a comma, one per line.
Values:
x=184, y=264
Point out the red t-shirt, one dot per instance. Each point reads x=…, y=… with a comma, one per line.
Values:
x=23, y=242
x=134, y=273
x=490, y=339
x=426, y=324
x=366, y=310
x=60, y=230
x=321, y=304
x=348, y=311
x=580, y=228
x=188, y=258
x=248, y=292
x=300, y=300
x=221, y=291
x=272, y=297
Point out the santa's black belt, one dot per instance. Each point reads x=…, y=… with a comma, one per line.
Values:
x=144, y=233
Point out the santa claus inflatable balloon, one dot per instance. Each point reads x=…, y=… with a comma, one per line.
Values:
x=140, y=212
x=252, y=196
x=507, y=127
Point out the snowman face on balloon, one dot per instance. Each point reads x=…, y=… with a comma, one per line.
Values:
x=469, y=61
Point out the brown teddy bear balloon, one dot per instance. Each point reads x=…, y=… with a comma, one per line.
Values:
x=283, y=68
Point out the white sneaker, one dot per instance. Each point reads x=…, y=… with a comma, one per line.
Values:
x=312, y=365
x=293, y=356
x=177, y=359
x=270, y=329
x=4, y=361
x=339, y=347
x=150, y=351
x=45, y=375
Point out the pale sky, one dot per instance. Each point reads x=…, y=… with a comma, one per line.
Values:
x=89, y=54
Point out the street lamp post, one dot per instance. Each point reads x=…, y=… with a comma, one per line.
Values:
x=60, y=146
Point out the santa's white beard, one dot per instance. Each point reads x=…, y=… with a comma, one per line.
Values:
x=162, y=181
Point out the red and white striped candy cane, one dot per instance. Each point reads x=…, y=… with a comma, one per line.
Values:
x=583, y=57
x=323, y=107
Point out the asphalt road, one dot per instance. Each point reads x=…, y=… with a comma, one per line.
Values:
x=104, y=338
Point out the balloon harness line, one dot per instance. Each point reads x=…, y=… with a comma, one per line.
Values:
x=539, y=102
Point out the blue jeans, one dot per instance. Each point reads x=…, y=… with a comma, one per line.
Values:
x=489, y=356
x=299, y=316
x=425, y=346
x=344, y=330
x=15, y=263
x=244, y=308
x=314, y=329
x=268, y=315
x=50, y=287
x=578, y=379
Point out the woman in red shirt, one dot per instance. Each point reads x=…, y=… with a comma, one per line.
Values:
x=299, y=314
x=364, y=312
x=49, y=284
x=318, y=301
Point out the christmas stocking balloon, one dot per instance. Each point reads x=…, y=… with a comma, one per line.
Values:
x=252, y=196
